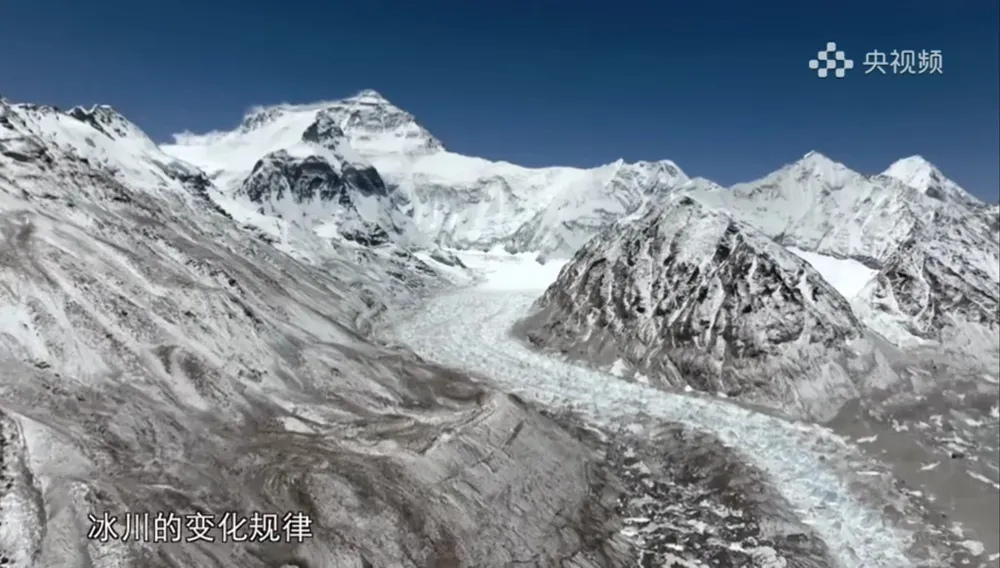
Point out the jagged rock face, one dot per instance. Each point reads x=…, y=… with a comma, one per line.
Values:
x=107, y=120
x=690, y=297
x=157, y=357
x=323, y=130
x=312, y=191
x=942, y=284
x=308, y=179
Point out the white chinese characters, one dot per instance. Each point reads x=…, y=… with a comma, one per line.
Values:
x=164, y=527
x=904, y=62
x=834, y=62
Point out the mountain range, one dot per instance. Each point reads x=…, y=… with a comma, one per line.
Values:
x=915, y=255
x=188, y=326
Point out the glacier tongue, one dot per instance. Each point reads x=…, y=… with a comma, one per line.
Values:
x=469, y=329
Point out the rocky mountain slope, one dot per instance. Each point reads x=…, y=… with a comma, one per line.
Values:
x=689, y=297
x=157, y=356
x=453, y=200
x=941, y=284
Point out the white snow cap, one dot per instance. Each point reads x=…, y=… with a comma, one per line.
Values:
x=815, y=158
x=369, y=96
x=915, y=171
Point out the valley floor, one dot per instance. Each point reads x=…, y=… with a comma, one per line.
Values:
x=942, y=449
x=850, y=501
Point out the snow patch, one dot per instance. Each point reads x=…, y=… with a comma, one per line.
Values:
x=974, y=547
x=502, y=271
x=846, y=276
x=618, y=368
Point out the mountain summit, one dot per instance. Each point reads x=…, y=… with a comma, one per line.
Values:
x=452, y=200
x=920, y=174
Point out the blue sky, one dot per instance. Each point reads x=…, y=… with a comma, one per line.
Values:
x=721, y=87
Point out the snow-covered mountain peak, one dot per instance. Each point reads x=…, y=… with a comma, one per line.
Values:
x=823, y=168
x=369, y=96
x=653, y=176
x=259, y=116
x=109, y=121
x=917, y=172
x=697, y=185
x=362, y=125
x=300, y=131
x=660, y=168
x=802, y=181
x=817, y=204
x=98, y=139
x=372, y=123
x=929, y=243
x=377, y=126
x=454, y=200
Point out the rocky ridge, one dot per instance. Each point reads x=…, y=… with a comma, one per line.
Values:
x=689, y=297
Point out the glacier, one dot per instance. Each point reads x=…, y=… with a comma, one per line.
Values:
x=470, y=329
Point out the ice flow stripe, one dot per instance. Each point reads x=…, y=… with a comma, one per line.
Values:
x=470, y=329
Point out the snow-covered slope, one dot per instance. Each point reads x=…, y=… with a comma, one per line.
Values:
x=453, y=200
x=918, y=173
x=154, y=356
x=991, y=215
x=687, y=296
x=573, y=217
x=822, y=206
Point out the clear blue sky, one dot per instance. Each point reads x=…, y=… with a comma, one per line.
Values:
x=720, y=87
